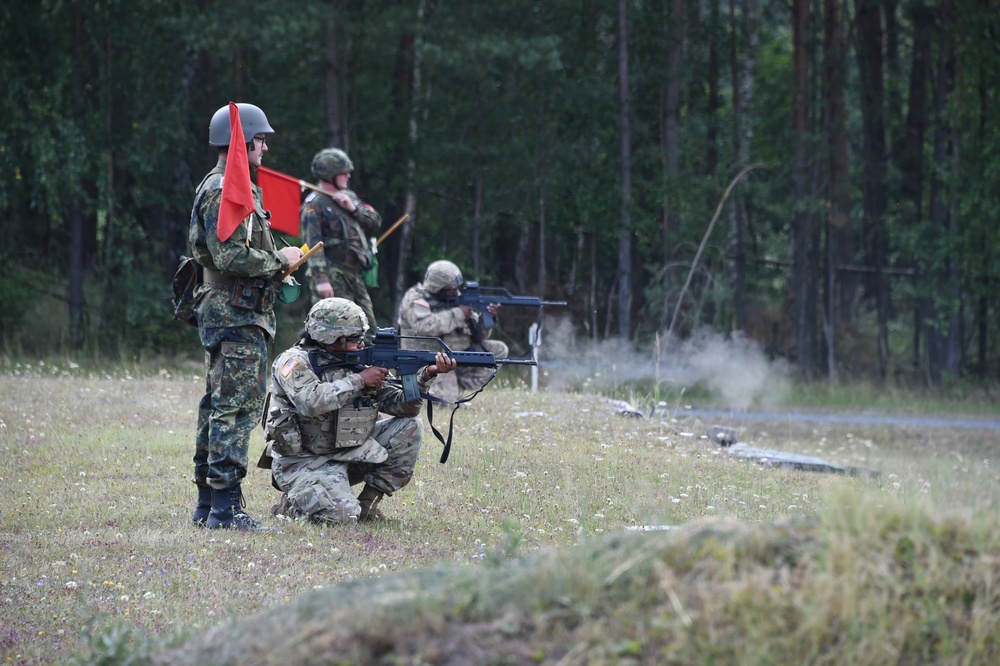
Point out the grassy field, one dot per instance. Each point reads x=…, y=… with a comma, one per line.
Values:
x=97, y=554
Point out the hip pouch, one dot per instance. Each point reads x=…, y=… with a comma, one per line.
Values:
x=284, y=430
x=253, y=294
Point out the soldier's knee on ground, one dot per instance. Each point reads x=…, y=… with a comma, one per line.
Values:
x=337, y=516
x=319, y=504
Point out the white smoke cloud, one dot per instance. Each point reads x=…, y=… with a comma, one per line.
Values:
x=733, y=368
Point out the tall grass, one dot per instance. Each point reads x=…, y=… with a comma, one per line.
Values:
x=95, y=537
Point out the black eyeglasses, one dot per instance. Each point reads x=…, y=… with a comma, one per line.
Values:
x=262, y=139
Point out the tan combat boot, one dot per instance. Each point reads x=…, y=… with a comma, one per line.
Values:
x=369, y=499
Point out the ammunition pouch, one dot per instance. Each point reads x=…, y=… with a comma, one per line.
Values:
x=247, y=293
x=284, y=431
x=347, y=427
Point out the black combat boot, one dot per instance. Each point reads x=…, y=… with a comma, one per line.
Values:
x=227, y=511
x=369, y=499
x=204, y=506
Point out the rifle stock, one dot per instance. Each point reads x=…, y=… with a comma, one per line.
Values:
x=386, y=353
x=479, y=298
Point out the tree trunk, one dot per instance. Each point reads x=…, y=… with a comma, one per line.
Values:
x=670, y=139
x=541, y=243
x=714, y=102
x=838, y=227
x=910, y=152
x=801, y=220
x=943, y=344
x=76, y=222
x=477, y=210
x=593, y=286
x=625, y=237
x=333, y=76
x=874, y=177
x=742, y=71
x=406, y=231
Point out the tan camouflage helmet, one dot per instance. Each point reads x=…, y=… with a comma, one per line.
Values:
x=330, y=162
x=334, y=318
x=442, y=274
x=252, y=119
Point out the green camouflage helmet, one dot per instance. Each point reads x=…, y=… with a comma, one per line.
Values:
x=252, y=119
x=330, y=162
x=334, y=318
x=440, y=275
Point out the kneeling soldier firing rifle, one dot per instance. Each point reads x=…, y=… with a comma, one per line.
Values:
x=322, y=423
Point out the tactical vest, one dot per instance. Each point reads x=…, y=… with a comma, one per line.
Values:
x=349, y=426
x=349, y=247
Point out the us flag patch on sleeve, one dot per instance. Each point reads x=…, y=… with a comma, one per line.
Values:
x=289, y=365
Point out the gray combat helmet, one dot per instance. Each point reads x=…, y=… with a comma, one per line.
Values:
x=330, y=162
x=440, y=275
x=252, y=119
x=334, y=318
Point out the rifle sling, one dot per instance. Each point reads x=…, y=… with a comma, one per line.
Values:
x=451, y=421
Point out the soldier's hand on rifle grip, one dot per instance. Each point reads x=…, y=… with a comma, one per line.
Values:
x=494, y=308
x=442, y=364
x=467, y=310
x=374, y=376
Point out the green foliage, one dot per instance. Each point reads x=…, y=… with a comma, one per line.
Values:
x=116, y=645
x=107, y=107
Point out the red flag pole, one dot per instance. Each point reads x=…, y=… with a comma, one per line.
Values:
x=237, y=195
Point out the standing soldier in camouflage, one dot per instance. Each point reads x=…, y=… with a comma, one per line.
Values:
x=322, y=422
x=344, y=223
x=234, y=305
x=424, y=312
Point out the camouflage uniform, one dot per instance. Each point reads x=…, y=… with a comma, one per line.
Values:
x=235, y=338
x=323, y=434
x=344, y=234
x=422, y=312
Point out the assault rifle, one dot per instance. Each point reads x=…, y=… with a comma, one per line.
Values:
x=385, y=353
x=480, y=297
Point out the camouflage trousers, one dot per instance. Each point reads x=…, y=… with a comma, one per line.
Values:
x=461, y=382
x=235, y=385
x=350, y=284
x=320, y=489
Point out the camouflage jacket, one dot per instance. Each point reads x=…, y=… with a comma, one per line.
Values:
x=314, y=401
x=237, y=257
x=421, y=313
x=344, y=235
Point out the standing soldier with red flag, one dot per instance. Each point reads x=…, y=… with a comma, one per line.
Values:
x=229, y=238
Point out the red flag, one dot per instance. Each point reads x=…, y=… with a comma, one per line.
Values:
x=237, y=195
x=283, y=195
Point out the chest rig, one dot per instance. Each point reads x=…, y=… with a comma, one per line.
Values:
x=347, y=427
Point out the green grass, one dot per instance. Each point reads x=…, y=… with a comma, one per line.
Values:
x=517, y=540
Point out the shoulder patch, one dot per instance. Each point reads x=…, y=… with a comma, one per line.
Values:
x=289, y=365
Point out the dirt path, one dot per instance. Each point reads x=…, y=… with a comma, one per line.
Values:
x=732, y=417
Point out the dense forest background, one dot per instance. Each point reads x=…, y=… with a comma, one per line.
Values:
x=820, y=176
